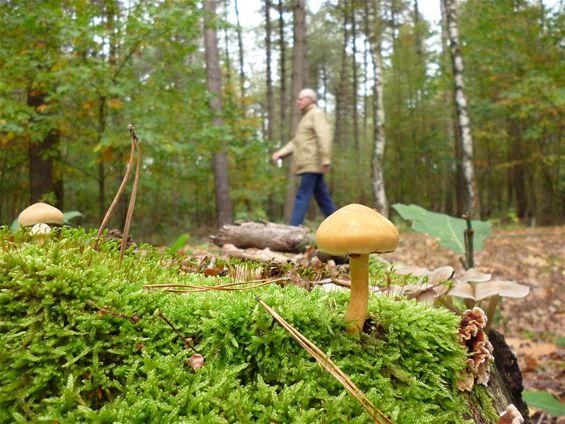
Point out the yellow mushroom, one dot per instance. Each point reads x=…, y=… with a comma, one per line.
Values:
x=356, y=230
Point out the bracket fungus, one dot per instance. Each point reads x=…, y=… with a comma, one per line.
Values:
x=356, y=230
x=39, y=216
x=475, y=287
x=472, y=334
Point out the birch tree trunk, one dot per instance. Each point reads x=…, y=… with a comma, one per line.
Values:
x=220, y=162
x=298, y=83
x=379, y=140
x=452, y=180
x=269, y=76
x=464, y=125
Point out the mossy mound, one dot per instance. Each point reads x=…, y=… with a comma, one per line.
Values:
x=81, y=340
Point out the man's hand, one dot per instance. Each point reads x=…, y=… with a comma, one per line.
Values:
x=324, y=168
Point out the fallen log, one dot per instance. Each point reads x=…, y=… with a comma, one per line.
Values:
x=263, y=235
x=259, y=255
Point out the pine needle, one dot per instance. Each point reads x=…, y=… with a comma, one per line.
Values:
x=329, y=366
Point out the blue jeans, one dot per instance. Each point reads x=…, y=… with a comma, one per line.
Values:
x=311, y=184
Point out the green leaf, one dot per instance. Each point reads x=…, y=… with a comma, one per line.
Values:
x=447, y=230
x=544, y=401
x=70, y=215
x=178, y=243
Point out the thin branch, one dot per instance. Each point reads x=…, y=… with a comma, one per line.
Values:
x=188, y=344
x=117, y=197
x=186, y=288
x=104, y=310
x=135, y=142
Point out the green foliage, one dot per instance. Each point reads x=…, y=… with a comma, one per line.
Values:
x=447, y=230
x=544, y=401
x=81, y=340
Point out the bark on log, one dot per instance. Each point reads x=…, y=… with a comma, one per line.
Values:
x=262, y=235
x=259, y=255
x=505, y=383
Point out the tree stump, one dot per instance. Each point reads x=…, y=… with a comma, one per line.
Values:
x=262, y=235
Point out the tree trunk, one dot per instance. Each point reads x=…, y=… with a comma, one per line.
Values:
x=464, y=126
x=270, y=95
x=261, y=235
x=379, y=140
x=298, y=83
x=241, y=55
x=220, y=162
x=451, y=180
x=41, y=153
x=355, y=87
x=284, y=133
x=227, y=58
x=340, y=95
x=518, y=170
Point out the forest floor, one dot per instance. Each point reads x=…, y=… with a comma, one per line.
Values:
x=534, y=327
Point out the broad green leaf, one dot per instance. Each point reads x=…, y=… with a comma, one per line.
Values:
x=71, y=215
x=544, y=401
x=449, y=231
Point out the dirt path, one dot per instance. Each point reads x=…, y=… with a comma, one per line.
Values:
x=534, y=326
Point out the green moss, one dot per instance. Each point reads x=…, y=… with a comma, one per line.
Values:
x=68, y=351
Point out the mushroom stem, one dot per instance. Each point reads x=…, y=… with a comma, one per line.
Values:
x=492, y=304
x=359, y=298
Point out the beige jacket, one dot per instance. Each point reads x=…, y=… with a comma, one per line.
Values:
x=311, y=146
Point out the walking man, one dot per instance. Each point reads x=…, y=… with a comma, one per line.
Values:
x=311, y=149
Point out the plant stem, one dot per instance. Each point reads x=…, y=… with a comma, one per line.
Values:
x=359, y=298
x=469, y=251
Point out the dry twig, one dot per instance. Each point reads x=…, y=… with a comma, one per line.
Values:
x=329, y=366
x=187, y=288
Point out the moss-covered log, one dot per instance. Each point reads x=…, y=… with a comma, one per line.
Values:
x=81, y=340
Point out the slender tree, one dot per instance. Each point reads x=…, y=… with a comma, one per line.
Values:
x=379, y=141
x=269, y=71
x=284, y=133
x=354, y=73
x=240, y=55
x=214, y=82
x=299, y=80
x=472, y=204
x=340, y=103
x=452, y=181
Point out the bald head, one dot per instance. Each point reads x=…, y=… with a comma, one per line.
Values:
x=308, y=92
x=305, y=98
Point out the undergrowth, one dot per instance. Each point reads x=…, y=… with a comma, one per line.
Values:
x=81, y=340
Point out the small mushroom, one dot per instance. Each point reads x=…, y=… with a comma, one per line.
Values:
x=475, y=292
x=196, y=361
x=425, y=292
x=511, y=416
x=356, y=230
x=40, y=213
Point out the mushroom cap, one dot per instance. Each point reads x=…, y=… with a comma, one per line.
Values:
x=480, y=291
x=356, y=229
x=41, y=213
